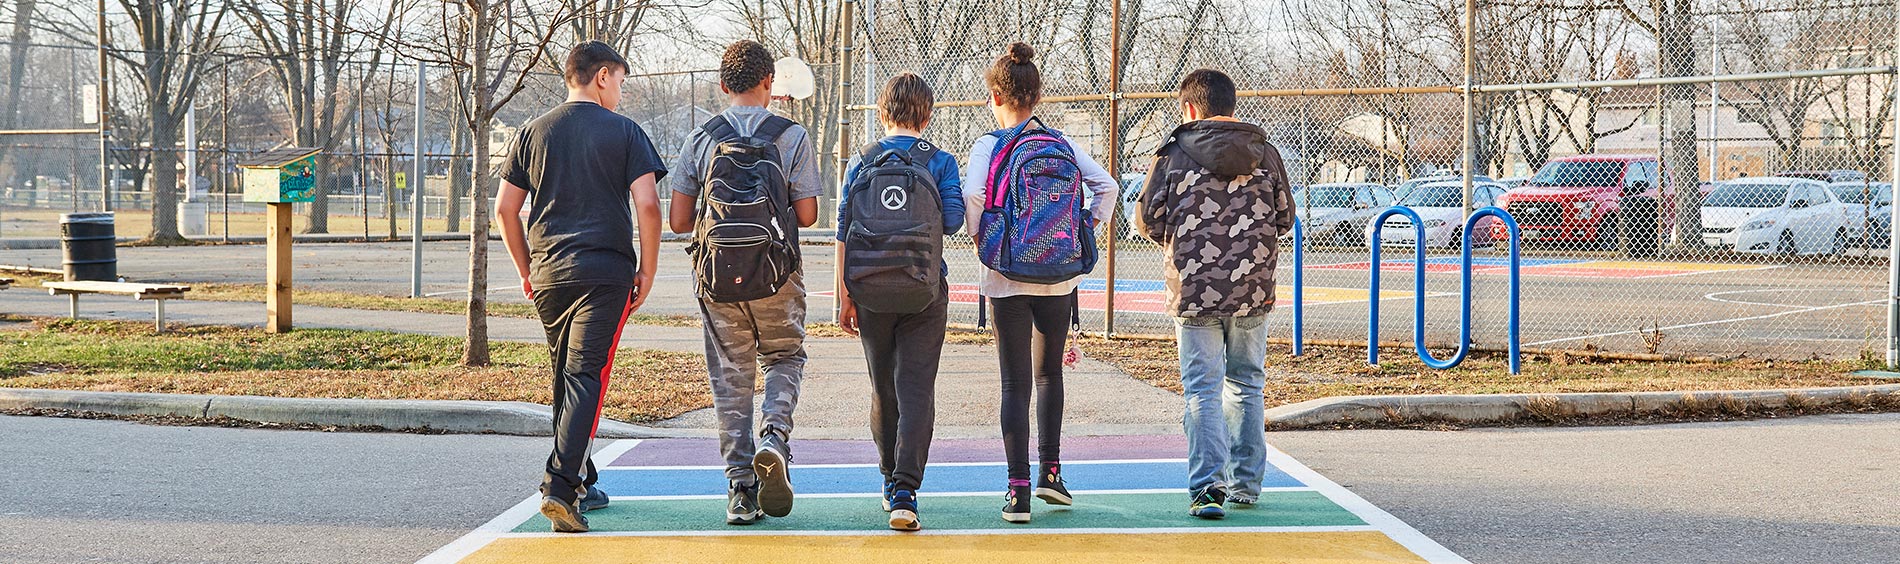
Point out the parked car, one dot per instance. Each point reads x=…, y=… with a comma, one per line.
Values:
x=1836, y=175
x=1581, y=200
x=1777, y=215
x=1514, y=182
x=1406, y=187
x=1129, y=205
x=1441, y=205
x=1866, y=201
x=1336, y=213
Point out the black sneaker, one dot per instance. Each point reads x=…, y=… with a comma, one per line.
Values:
x=1206, y=503
x=1049, y=486
x=1016, y=504
x=903, y=505
x=775, y=479
x=595, y=499
x=564, y=515
x=742, y=505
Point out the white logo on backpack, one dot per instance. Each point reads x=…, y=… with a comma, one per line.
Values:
x=894, y=197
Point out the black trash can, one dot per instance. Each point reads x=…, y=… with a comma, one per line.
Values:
x=87, y=246
x=1641, y=226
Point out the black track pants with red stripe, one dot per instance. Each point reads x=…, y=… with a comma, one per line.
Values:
x=583, y=325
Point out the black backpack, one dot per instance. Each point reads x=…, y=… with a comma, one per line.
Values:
x=745, y=244
x=893, y=247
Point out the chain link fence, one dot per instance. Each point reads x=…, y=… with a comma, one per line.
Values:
x=1740, y=213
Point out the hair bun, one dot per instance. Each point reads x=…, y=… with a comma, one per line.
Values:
x=1021, y=53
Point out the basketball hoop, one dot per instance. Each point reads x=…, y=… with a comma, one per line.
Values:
x=792, y=79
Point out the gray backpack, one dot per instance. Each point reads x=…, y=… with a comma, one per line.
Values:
x=893, y=247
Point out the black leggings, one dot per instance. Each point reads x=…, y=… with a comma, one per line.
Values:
x=1031, y=335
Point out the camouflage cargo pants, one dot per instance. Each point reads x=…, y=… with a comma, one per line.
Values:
x=742, y=338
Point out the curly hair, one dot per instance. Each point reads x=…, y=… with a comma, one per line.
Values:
x=745, y=65
x=1014, y=77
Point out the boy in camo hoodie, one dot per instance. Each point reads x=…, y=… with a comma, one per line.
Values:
x=1217, y=201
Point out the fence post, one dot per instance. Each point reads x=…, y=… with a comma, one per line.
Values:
x=1471, y=116
x=105, y=132
x=1114, y=154
x=1893, y=250
x=415, y=214
x=845, y=28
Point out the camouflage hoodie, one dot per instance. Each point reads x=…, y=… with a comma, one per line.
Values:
x=1217, y=200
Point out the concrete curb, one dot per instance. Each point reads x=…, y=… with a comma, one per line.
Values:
x=498, y=417
x=1495, y=408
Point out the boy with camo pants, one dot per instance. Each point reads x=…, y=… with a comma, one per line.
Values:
x=1217, y=201
x=742, y=337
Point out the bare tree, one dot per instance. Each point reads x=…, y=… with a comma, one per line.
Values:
x=174, y=40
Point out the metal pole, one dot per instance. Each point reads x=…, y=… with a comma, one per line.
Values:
x=1715, y=99
x=224, y=149
x=1471, y=109
x=191, y=152
x=415, y=213
x=845, y=53
x=1893, y=250
x=1114, y=152
x=105, y=132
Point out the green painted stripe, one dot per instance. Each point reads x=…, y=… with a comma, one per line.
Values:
x=1116, y=511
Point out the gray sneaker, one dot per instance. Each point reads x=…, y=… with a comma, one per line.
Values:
x=775, y=480
x=595, y=499
x=742, y=505
x=1242, y=501
x=564, y=515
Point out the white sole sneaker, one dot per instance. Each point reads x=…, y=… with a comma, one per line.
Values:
x=904, y=520
x=1052, y=496
x=1016, y=517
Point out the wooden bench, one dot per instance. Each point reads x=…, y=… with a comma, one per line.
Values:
x=158, y=293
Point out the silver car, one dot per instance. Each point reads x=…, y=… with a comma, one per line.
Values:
x=1337, y=213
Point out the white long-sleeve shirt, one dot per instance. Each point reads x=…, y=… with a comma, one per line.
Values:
x=976, y=173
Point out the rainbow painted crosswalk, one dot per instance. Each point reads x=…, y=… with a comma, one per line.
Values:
x=1131, y=506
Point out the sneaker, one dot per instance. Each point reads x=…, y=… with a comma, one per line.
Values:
x=595, y=499
x=775, y=479
x=1207, y=503
x=903, y=505
x=890, y=488
x=564, y=515
x=1049, y=486
x=1242, y=501
x=742, y=505
x=1016, y=504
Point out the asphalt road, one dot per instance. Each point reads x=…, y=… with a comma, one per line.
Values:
x=1755, y=306
x=1815, y=489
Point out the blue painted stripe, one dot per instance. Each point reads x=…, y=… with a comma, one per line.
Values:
x=1101, y=285
x=867, y=480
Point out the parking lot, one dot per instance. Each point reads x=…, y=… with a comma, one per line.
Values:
x=1759, y=306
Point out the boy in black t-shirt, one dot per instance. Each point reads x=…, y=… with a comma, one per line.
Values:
x=582, y=163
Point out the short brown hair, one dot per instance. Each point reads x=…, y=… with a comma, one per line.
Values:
x=745, y=65
x=1210, y=91
x=1014, y=77
x=905, y=100
x=587, y=59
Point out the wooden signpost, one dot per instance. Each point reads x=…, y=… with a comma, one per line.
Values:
x=279, y=178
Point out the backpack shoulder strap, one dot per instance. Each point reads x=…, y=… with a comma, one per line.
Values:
x=869, y=153
x=719, y=129
x=922, y=152
x=772, y=128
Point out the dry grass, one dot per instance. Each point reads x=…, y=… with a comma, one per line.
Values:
x=1327, y=371
x=128, y=357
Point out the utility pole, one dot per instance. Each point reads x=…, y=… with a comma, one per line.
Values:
x=105, y=132
x=415, y=213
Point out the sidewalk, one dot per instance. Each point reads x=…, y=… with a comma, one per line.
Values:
x=835, y=402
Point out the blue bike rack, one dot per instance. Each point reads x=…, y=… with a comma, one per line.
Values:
x=1299, y=286
x=1418, y=288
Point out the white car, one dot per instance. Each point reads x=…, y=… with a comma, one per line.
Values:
x=1405, y=188
x=1856, y=195
x=1336, y=214
x=1777, y=215
x=1441, y=206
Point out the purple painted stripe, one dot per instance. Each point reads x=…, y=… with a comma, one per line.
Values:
x=705, y=452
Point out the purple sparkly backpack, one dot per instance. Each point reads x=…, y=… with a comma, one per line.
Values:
x=1034, y=226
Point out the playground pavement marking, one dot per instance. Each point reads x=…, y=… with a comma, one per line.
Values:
x=1303, y=517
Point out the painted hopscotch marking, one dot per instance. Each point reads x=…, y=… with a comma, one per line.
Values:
x=1303, y=516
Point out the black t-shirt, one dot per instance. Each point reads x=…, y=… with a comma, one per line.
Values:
x=577, y=162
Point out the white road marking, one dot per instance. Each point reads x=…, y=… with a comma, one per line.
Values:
x=514, y=516
x=1399, y=532
x=1803, y=309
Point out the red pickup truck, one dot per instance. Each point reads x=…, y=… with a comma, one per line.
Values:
x=1580, y=201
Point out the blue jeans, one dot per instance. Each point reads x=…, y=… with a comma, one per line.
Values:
x=1223, y=367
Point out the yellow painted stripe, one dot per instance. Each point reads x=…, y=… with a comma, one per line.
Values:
x=1280, y=548
x=1327, y=295
x=1638, y=265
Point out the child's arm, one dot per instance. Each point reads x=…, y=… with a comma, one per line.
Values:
x=1102, y=186
x=1152, y=206
x=513, y=237
x=950, y=190
x=803, y=181
x=1282, y=190
x=685, y=185
x=976, y=174
x=646, y=203
x=844, y=194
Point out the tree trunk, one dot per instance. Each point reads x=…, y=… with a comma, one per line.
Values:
x=16, y=66
x=1676, y=29
x=476, y=353
x=458, y=176
x=164, y=178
